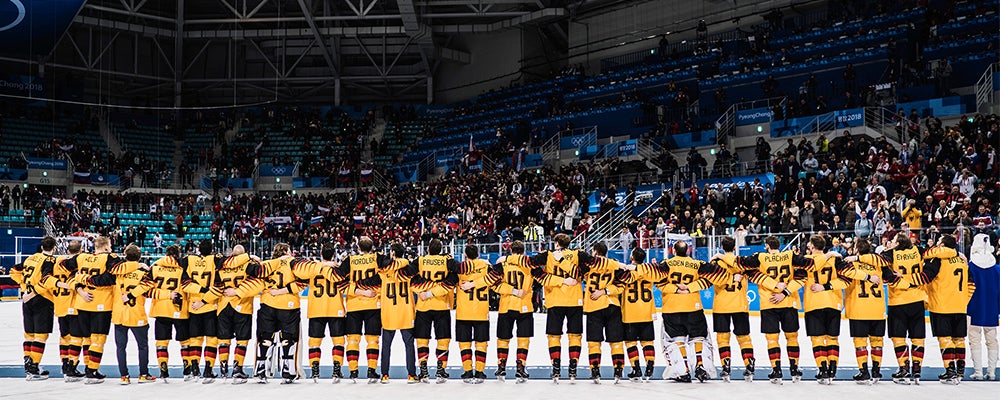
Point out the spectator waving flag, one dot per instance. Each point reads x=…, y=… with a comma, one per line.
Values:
x=316, y=221
x=359, y=221
x=366, y=175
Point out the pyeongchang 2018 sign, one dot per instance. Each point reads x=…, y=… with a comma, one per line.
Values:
x=753, y=116
x=32, y=27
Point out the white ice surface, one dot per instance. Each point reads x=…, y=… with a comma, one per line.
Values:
x=537, y=389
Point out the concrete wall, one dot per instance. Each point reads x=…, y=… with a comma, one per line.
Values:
x=496, y=61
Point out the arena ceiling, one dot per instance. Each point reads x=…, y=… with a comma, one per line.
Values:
x=227, y=52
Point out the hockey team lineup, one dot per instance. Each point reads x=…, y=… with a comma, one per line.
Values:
x=206, y=303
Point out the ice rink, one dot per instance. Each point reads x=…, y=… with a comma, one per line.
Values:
x=56, y=389
x=15, y=387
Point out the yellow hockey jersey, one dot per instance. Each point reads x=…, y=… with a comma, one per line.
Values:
x=274, y=274
x=231, y=275
x=602, y=274
x=823, y=272
x=438, y=268
x=695, y=274
x=131, y=312
x=637, y=299
x=326, y=298
x=907, y=263
x=566, y=267
x=201, y=271
x=62, y=299
x=946, y=277
x=29, y=274
x=168, y=276
x=730, y=298
x=357, y=268
x=473, y=305
x=398, y=306
x=96, y=273
x=516, y=272
x=779, y=268
x=863, y=300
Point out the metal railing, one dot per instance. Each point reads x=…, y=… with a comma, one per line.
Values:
x=883, y=120
x=426, y=165
x=984, y=90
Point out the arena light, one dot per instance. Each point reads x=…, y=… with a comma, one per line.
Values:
x=293, y=192
x=278, y=180
x=577, y=153
x=711, y=151
x=45, y=173
x=760, y=129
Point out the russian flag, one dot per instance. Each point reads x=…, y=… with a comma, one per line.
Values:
x=359, y=221
x=316, y=221
x=81, y=177
x=366, y=175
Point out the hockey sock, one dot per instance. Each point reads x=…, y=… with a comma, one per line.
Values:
x=223, y=352
x=522, y=349
x=555, y=348
x=958, y=344
x=947, y=351
x=861, y=351
x=723, y=339
x=353, y=351
x=96, y=350
x=648, y=352
x=902, y=351
x=40, y=339
x=465, y=350
x=423, y=350
x=699, y=346
x=28, y=346
x=746, y=348
x=371, y=350
x=503, y=349
x=617, y=354
x=195, y=345
x=682, y=346
x=594, y=350
x=85, y=349
x=241, y=352
x=211, y=346
x=73, y=350
x=917, y=351
x=832, y=350
x=792, y=348
x=314, y=350
x=162, y=356
x=289, y=350
x=819, y=350
x=338, y=350
x=876, y=343
x=64, y=348
x=633, y=354
x=441, y=352
x=773, y=349
x=481, y=355
x=575, y=345
x=186, y=354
